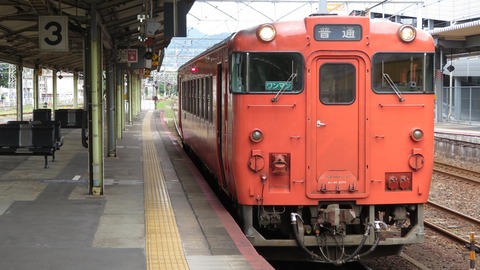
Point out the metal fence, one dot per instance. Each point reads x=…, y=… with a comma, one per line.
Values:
x=461, y=104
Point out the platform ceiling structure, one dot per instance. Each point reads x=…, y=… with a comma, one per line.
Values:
x=463, y=38
x=122, y=23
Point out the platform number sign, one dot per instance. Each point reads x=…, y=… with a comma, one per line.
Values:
x=53, y=33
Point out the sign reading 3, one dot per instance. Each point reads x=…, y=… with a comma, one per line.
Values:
x=53, y=33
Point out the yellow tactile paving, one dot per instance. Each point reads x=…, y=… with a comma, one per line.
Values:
x=163, y=246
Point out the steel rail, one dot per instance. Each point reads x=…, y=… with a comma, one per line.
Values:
x=470, y=219
x=446, y=232
x=465, y=174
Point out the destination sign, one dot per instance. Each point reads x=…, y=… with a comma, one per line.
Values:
x=333, y=32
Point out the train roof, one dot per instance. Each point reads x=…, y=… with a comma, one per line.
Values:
x=211, y=49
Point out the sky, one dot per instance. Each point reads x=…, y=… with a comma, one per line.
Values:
x=230, y=17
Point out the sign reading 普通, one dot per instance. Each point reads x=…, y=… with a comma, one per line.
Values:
x=335, y=32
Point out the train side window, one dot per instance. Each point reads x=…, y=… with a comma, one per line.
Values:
x=201, y=98
x=187, y=97
x=183, y=89
x=397, y=73
x=337, y=83
x=208, y=86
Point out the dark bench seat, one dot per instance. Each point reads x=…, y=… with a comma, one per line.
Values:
x=31, y=138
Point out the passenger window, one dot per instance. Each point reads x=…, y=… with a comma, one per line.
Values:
x=337, y=83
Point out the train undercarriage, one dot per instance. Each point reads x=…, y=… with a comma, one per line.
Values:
x=333, y=232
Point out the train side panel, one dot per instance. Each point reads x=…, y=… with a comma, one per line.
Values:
x=201, y=84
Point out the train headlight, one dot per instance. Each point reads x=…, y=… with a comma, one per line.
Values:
x=416, y=134
x=256, y=135
x=266, y=32
x=407, y=33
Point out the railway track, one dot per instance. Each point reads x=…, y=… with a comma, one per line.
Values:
x=460, y=173
x=453, y=230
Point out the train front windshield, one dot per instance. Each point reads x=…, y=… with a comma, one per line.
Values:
x=402, y=73
x=267, y=72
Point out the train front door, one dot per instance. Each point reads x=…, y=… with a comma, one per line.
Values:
x=337, y=130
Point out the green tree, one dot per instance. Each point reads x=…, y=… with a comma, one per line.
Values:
x=4, y=75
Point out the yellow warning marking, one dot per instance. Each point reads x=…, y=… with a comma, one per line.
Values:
x=163, y=246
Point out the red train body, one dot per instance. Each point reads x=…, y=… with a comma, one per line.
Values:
x=321, y=132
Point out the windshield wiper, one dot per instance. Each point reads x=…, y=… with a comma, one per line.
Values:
x=290, y=79
x=393, y=86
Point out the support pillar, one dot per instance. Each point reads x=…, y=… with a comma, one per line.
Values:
x=130, y=98
x=124, y=100
x=457, y=92
x=439, y=94
x=119, y=104
x=139, y=94
x=135, y=91
x=19, y=92
x=96, y=183
x=75, y=90
x=54, y=86
x=111, y=89
x=35, y=87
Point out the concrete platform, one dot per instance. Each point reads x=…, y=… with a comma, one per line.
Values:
x=48, y=221
x=457, y=128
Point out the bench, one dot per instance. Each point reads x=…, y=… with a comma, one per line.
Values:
x=42, y=115
x=58, y=129
x=30, y=138
x=70, y=118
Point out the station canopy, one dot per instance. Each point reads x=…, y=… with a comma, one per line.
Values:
x=52, y=34
x=461, y=38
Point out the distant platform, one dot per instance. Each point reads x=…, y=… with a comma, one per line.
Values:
x=457, y=128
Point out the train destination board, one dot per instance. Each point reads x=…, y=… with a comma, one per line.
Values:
x=335, y=32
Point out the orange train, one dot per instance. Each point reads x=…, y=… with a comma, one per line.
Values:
x=320, y=131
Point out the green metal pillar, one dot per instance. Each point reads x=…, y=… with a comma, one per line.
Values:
x=134, y=95
x=19, y=92
x=54, y=86
x=139, y=94
x=130, y=98
x=133, y=92
x=35, y=87
x=124, y=99
x=96, y=184
x=75, y=90
x=119, y=104
x=111, y=89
